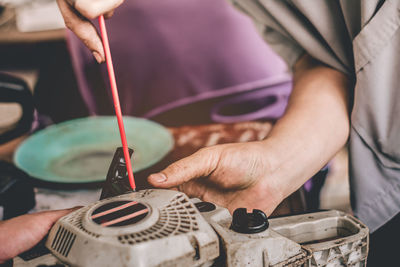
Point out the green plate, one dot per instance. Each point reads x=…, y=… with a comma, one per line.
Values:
x=81, y=150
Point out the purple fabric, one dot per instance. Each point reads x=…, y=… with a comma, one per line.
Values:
x=267, y=102
x=175, y=52
x=308, y=185
x=80, y=59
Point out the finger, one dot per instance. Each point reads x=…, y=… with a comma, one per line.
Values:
x=194, y=188
x=201, y=163
x=205, y=191
x=93, y=8
x=84, y=29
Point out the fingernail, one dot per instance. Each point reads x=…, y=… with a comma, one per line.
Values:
x=159, y=177
x=97, y=57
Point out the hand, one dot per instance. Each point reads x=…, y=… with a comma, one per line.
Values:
x=24, y=232
x=231, y=175
x=76, y=15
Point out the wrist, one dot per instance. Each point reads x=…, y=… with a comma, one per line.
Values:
x=271, y=182
x=289, y=167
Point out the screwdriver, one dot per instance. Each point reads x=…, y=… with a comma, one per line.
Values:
x=117, y=106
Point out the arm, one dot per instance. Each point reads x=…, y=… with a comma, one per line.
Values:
x=261, y=174
x=315, y=126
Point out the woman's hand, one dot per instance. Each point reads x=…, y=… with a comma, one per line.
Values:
x=77, y=15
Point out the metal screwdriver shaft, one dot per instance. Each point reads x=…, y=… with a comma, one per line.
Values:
x=117, y=106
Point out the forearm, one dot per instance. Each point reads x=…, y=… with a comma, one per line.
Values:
x=314, y=127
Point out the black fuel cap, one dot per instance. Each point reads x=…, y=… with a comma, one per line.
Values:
x=249, y=223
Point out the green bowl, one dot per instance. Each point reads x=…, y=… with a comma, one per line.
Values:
x=81, y=150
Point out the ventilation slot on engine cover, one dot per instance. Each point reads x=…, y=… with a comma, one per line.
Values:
x=63, y=241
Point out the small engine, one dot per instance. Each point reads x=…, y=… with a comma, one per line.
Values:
x=156, y=227
x=162, y=228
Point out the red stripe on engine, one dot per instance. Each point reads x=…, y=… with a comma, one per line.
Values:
x=114, y=209
x=124, y=218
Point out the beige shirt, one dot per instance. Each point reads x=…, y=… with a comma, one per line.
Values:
x=362, y=39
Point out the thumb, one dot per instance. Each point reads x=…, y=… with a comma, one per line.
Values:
x=202, y=163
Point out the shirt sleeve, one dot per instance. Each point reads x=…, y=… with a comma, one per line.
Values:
x=283, y=45
x=294, y=27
